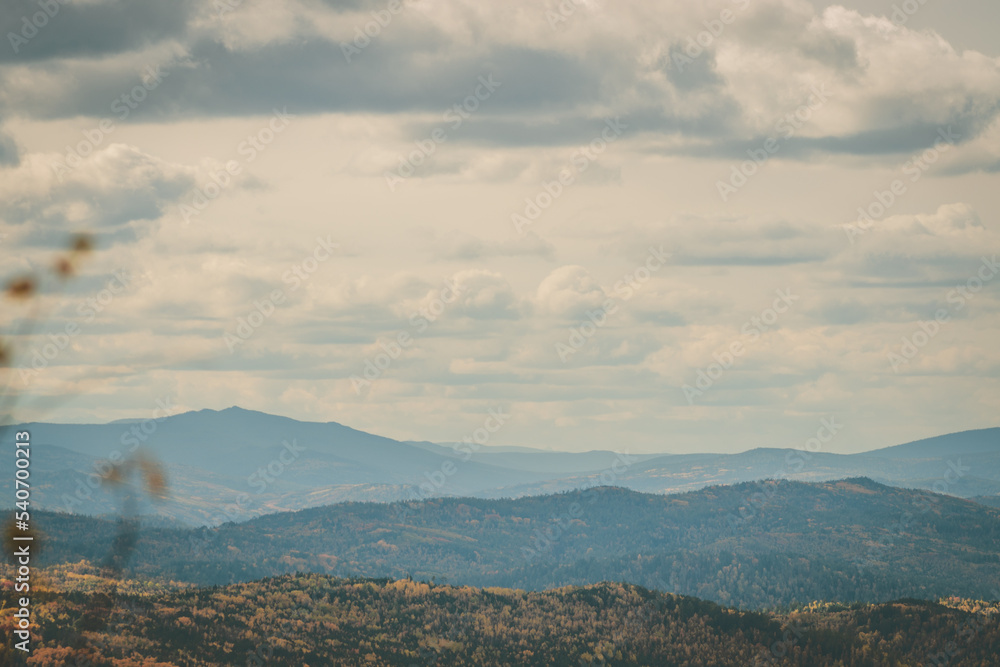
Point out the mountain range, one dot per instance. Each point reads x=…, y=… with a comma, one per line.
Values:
x=234, y=464
x=752, y=545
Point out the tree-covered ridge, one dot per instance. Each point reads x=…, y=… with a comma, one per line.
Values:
x=316, y=620
x=752, y=545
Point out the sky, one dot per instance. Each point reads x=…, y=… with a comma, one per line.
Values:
x=648, y=227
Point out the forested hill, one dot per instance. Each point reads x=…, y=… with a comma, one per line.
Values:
x=749, y=545
x=317, y=621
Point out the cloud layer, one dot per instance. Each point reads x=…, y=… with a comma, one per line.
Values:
x=462, y=205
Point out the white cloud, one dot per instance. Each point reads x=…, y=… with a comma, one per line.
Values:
x=108, y=194
x=568, y=292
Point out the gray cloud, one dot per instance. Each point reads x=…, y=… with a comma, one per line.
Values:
x=687, y=74
x=90, y=29
x=9, y=153
x=771, y=26
x=313, y=77
x=550, y=94
x=844, y=312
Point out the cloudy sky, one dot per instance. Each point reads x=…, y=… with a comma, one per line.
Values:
x=576, y=213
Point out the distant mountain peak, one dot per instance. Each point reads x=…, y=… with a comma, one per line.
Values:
x=977, y=441
x=235, y=409
x=238, y=412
